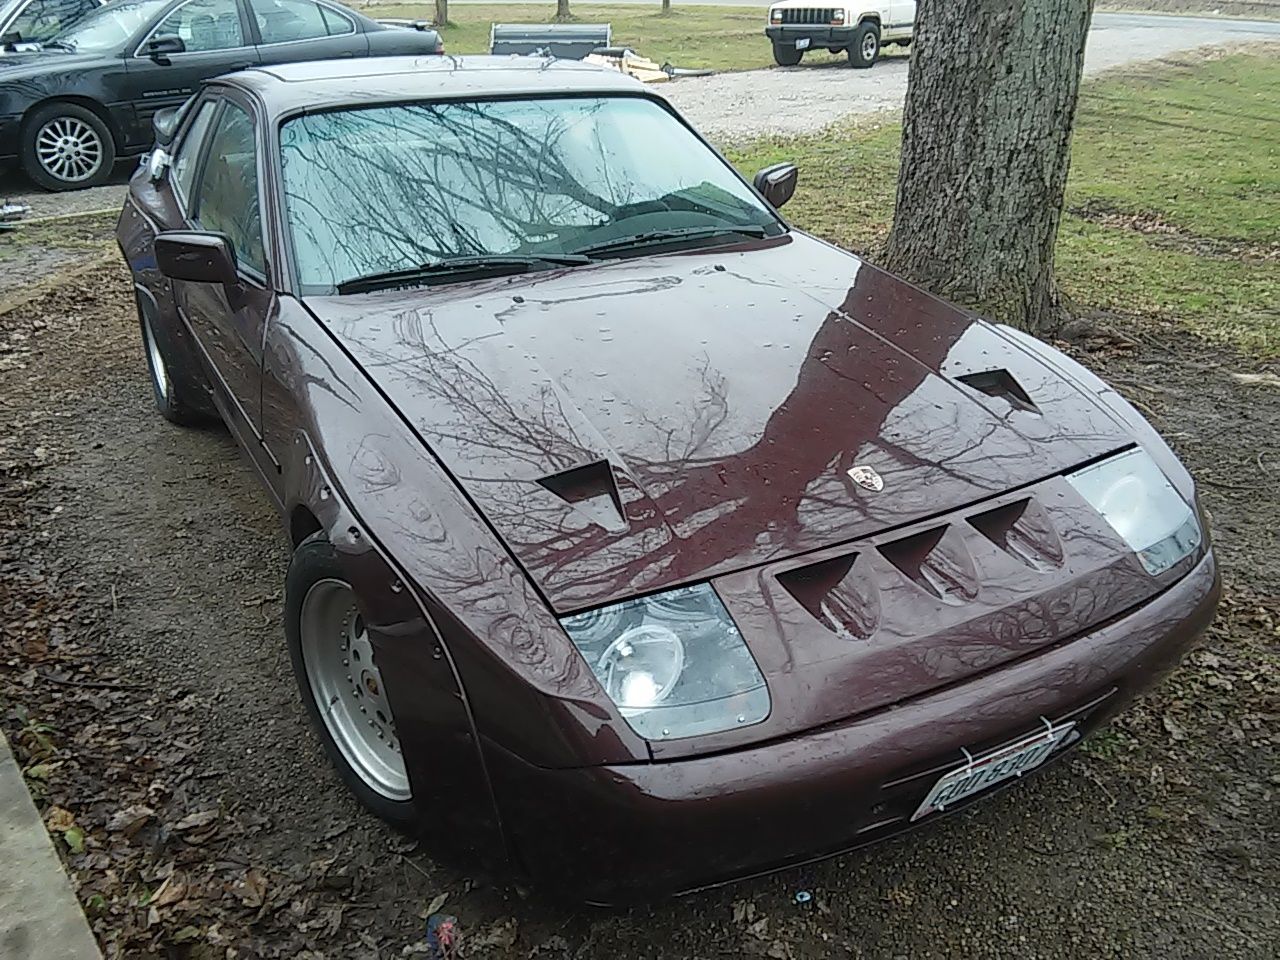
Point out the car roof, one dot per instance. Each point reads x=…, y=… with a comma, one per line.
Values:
x=323, y=84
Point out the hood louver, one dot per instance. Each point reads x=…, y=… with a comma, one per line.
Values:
x=1023, y=530
x=592, y=491
x=937, y=561
x=1000, y=383
x=838, y=593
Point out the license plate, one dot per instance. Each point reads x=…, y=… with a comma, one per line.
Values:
x=803, y=43
x=992, y=768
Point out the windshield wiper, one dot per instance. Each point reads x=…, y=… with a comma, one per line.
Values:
x=58, y=45
x=459, y=268
x=654, y=237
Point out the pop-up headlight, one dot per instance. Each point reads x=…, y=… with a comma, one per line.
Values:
x=1134, y=497
x=674, y=663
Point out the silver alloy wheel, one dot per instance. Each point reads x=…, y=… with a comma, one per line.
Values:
x=869, y=46
x=69, y=149
x=348, y=688
x=159, y=372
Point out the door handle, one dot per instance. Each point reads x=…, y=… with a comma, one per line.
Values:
x=241, y=66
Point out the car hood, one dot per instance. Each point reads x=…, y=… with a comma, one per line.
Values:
x=651, y=422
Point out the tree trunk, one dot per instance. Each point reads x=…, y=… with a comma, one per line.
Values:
x=666, y=7
x=442, y=13
x=986, y=137
x=562, y=10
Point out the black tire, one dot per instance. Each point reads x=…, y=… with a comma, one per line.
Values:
x=866, y=45
x=171, y=386
x=63, y=125
x=314, y=561
x=786, y=55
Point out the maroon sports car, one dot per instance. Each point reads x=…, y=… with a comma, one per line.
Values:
x=640, y=541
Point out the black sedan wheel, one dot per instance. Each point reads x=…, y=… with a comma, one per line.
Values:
x=340, y=683
x=67, y=147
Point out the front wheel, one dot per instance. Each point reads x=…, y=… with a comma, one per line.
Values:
x=866, y=45
x=67, y=147
x=333, y=662
x=786, y=54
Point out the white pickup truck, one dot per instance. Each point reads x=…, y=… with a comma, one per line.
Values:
x=797, y=25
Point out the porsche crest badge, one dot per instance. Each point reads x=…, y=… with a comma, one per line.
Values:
x=866, y=478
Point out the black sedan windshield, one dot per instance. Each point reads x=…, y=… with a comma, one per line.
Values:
x=370, y=191
x=109, y=27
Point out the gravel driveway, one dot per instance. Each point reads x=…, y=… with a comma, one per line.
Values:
x=794, y=100
x=801, y=99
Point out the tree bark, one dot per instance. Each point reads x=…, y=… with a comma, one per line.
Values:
x=666, y=7
x=986, y=137
x=562, y=10
x=442, y=13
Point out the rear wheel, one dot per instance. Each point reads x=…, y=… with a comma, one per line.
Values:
x=866, y=45
x=786, y=54
x=341, y=686
x=67, y=147
x=173, y=399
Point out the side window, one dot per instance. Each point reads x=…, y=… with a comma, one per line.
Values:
x=204, y=25
x=183, y=170
x=282, y=21
x=339, y=24
x=228, y=195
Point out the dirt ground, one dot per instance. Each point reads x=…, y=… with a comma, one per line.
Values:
x=144, y=683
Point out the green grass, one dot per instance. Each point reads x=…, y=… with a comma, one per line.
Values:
x=1192, y=149
x=721, y=38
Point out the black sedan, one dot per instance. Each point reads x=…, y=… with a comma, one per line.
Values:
x=88, y=96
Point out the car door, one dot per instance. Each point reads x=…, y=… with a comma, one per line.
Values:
x=216, y=40
x=902, y=14
x=304, y=30
x=228, y=321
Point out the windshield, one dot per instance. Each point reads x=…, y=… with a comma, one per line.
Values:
x=109, y=27
x=42, y=19
x=393, y=188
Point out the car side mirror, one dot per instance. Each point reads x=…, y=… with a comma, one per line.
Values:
x=165, y=124
x=777, y=183
x=196, y=257
x=159, y=48
x=10, y=38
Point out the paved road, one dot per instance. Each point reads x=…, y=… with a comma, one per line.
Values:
x=808, y=97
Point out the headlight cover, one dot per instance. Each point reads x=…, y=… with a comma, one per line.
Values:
x=1142, y=506
x=674, y=663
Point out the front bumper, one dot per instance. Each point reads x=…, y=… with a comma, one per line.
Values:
x=820, y=35
x=616, y=833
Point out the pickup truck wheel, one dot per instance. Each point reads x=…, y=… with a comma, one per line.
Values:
x=866, y=45
x=786, y=55
x=67, y=147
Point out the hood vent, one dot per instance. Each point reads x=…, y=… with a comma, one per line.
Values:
x=1000, y=383
x=592, y=491
x=1023, y=530
x=838, y=594
x=938, y=562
